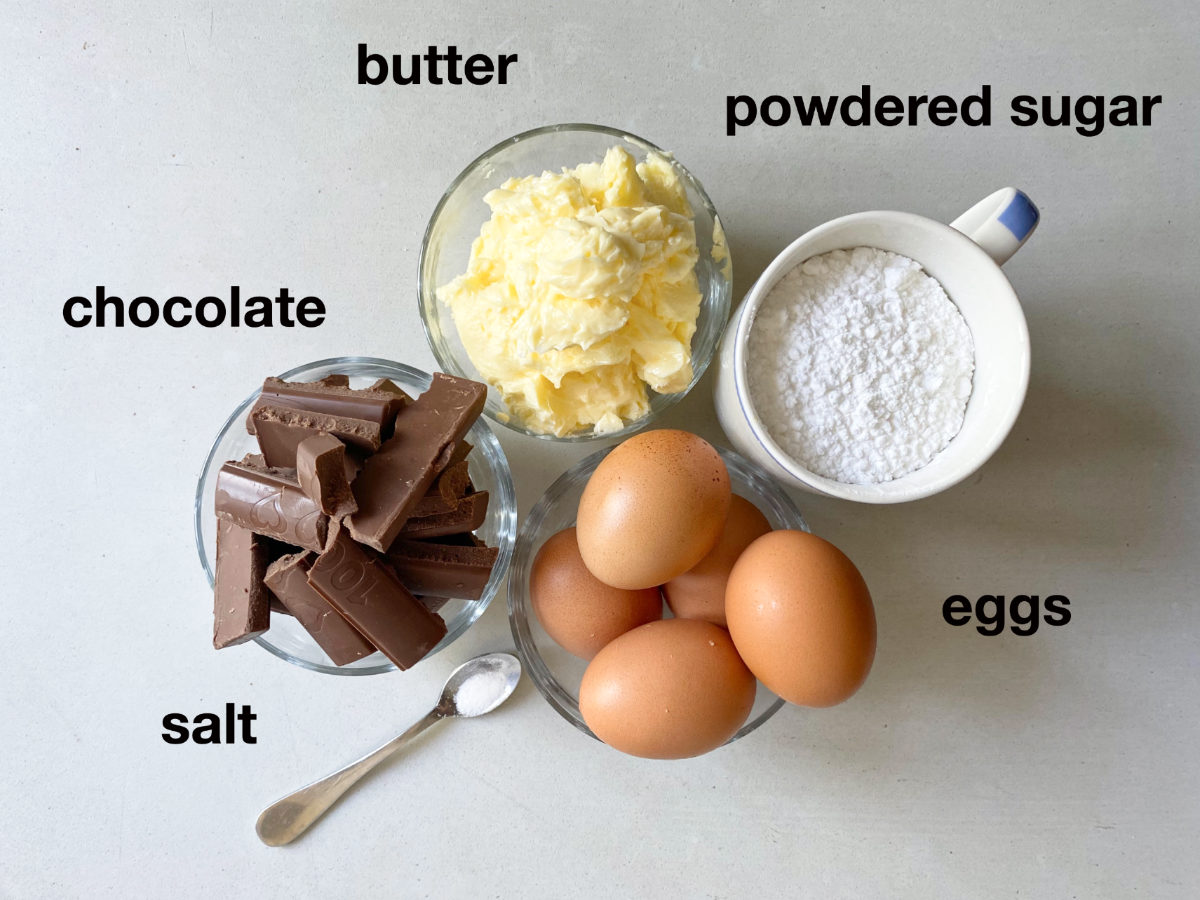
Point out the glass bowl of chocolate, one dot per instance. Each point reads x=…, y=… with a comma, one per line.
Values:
x=354, y=516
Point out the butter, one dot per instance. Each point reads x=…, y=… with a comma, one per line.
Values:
x=581, y=293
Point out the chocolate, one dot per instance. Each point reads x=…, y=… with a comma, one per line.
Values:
x=388, y=386
x=449, y=487
x=467, y=515
x=328, y=449
x=287, y=579
x=332, y=396
x=443, y=570
x=364, y=589
x=269, y=501
x=452, y=484
x=463, y=539
x=241, y=604
x=280, y=430
x=328, y=381
x=393, y=480
x=322, y=474
x=287, y=413
x=460, y=453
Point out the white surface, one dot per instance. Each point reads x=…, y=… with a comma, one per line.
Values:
x=182, y=150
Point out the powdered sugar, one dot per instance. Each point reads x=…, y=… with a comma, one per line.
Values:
x=859, y=365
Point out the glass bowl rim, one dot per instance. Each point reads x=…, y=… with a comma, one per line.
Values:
x=545, y=681
x=725, y=298
x=506, y=498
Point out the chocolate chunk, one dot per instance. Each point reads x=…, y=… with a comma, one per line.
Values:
x=364, y=589
x=287, y=578
x=280, y=430
x=460, y=453
x=332, y=396
x=443, y=570
x=427, y=433
x=287, y=413
x=329, y=381
x=241, y=605
x=452, y=484
x=450, y=487
x=467, y=515
x=433, y=604
x=269, y=501
x=463, y=539
x=390, y=387
x=321, y=472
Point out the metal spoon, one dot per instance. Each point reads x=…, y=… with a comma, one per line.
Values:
x=476, y=687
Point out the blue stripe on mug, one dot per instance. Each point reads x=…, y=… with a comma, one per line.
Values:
x=1020, y=216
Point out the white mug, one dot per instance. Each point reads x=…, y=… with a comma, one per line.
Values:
x=965, y=257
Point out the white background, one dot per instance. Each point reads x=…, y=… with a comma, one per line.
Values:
x=177, y=149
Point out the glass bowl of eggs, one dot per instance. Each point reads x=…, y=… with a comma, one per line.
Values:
x=548, y=560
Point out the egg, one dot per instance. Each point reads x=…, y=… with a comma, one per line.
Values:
x=667, y=690
x=699, y=593
x=580, y=612
x=652, y=509
x=801, y=617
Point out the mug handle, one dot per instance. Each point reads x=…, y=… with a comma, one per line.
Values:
x=1000, y=223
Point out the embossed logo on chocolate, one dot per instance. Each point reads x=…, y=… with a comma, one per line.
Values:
x=270, y=502
x=267, y=513
x=306, y=524
x=346, y=574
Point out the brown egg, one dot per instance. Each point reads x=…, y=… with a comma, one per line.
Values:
x=580, y=612
x=801, y=617
x=667, y=690
x=652, y=509
x=699, y=593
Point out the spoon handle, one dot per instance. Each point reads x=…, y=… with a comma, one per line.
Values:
x=287, y=819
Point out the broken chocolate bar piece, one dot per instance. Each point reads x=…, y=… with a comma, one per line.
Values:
x=336, y=398
x=328, y=381
x=321, y=472
x=388, y=386
x=450, y=487
x=463, y=539
x=393, y=480
x=460, y=453
x=241, y=604
x=280, y=430
x=269, y=501
x=287, y=413
x=452, y=484
x=364, y=589
x=433, y=604
x=287, y=578
x=467, y=515
x=443, y=570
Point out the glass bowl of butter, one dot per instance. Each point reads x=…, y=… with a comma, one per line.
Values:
x=580, y=272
